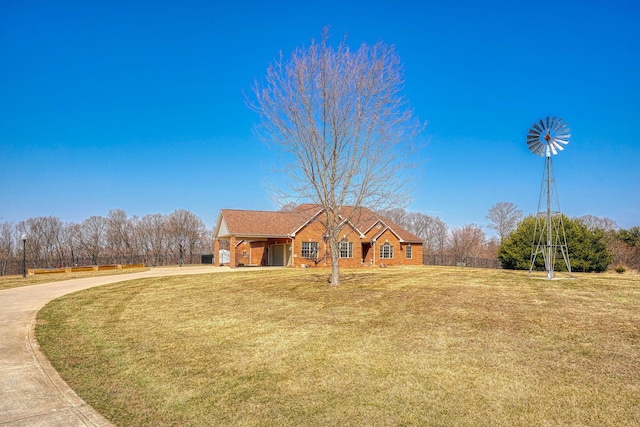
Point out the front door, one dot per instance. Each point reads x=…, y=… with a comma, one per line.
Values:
x=365, y=253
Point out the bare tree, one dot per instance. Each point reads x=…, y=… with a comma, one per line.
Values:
x=153, y=232
x=504, y=217
x=7, y=242
x=44, y=239
x=344, y=127
x=434, y=233
x=288, y=207
x=186, y=228
x=432, y=230
x=400, y=216
x=93, y=236
x=119, y=235
x=467, y=241
x=597, y=223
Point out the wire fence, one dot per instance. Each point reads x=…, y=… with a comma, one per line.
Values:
x=9, y=267
x=454, y=261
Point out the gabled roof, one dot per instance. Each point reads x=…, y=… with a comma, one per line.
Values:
x=246, y=223
x=235, y=222
x=365, y=219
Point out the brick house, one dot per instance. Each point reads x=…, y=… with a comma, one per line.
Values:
x=297, y=239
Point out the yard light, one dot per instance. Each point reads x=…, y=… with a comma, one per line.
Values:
x=24, y=256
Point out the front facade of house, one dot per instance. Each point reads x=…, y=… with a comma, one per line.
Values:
x=297, y=239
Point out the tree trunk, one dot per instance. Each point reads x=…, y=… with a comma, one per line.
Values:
x=335, y=260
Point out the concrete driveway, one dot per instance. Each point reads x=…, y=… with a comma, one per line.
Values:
x=31, y=391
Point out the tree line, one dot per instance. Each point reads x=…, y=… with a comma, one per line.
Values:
x=117, y=238
x=595, y=244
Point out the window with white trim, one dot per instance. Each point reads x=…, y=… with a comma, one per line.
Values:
x=346, y=249
x=408, y=252
x=386, y=251
x=309, y=250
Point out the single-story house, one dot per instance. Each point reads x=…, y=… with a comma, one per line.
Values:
x=297, y=238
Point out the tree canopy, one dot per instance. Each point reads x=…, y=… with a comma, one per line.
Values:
x=587, y=247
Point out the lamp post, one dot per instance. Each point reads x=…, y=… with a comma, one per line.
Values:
x=24, y=256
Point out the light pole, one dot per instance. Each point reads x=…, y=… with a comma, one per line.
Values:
x=24, y=256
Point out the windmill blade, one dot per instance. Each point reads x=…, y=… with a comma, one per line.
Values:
x=533, y=134
x=557, y=124
x=536, y=128
x=548, y=136
x=537, y=146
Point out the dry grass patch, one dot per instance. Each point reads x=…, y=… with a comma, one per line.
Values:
x=421, y=346
x=7, y=282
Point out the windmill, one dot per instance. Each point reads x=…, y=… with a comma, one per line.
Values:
x=546, y=138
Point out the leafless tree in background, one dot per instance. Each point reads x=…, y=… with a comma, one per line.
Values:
x=345, y=129
x=119, y=235
x=115, y=239
x=152, y=230
x=597, y=223
x=432, y=230
x=467, y=241
x=7, y=243
x=185, y=226
x=92, y=239
x=45, y=239
x=504, y=217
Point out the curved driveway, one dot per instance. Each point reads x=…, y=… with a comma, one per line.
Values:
x=31, y=391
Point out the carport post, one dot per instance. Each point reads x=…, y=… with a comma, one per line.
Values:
x=232, y=252
x=217, y=259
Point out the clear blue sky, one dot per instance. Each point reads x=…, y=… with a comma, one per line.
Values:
x=139, y=105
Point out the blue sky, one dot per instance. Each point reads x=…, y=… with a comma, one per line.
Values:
x=139, y=105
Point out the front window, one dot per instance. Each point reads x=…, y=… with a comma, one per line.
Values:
x=409, y=252
x=386, y=251
x=346, y=249
x=309, y=250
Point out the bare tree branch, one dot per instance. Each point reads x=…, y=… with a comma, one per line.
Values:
x=344, y=127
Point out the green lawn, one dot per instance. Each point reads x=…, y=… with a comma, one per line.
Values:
x=388, y=347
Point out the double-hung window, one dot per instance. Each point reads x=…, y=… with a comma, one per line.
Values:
x=346, y=249
x=386, y=251
x=409, y=252
x=309, y=250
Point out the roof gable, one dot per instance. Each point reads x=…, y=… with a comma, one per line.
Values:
x=246, y=223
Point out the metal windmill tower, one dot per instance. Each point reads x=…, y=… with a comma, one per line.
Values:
x=546, y=138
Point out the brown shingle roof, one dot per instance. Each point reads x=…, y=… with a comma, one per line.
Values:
x=261, y=223
x=365, y=218
x=281, y=224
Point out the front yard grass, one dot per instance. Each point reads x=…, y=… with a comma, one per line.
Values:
x=388, y=347
x=8, y=282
